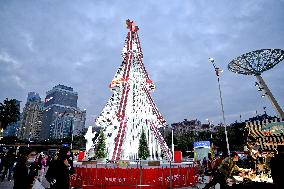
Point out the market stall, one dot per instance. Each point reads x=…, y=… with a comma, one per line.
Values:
x=268, y=134
x=263, y=138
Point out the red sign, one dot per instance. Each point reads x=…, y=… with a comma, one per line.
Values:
x=178, y=156
x=81, y=156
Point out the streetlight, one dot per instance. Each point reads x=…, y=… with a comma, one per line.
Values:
x=173, y=147
x=218, y=71
x=72, y=129
x=29, y=139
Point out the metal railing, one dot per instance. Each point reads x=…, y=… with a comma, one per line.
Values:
x=134, y=175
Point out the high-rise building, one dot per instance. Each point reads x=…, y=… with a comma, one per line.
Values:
x=11, y=129
x=31, y=121
x=60, y=99
x=63, y=125
x=33, y=96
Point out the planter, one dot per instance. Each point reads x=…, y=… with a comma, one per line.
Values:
x=153, y=163
x=89, y=162
x=101, y=160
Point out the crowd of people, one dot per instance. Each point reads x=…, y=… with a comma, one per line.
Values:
x=220, y=168
x=28, y=167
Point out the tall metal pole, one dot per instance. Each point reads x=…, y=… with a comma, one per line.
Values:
x=173, y=147
x=71, y=145
x=217, y=70
x=271, y=98
x=29, y=139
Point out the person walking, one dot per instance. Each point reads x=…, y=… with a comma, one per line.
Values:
x=41, y=166
x=8, y=163
x=59, y=170
x=217, y=162
x=209, y=170
x=25, y=171
x=1, y=162
x=224, y=171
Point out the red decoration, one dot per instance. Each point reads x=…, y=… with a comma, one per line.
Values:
x=129, y=178
x=178, y=156
x=81, y=156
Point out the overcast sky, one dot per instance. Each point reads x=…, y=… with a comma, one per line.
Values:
x=78, y=43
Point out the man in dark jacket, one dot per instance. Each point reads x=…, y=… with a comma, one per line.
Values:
x=59, y=170
x=25, y=170
x=277, y=167
x=8, y=163
x=224, y=171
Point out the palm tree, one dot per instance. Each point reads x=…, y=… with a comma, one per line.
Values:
x=9, y=112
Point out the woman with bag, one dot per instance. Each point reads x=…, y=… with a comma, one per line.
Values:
x=59, y=170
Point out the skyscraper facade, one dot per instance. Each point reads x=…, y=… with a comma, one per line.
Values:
x=60, y=99
x=31, y=121
x=63, y=125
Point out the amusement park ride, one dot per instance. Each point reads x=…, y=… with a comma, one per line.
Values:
x=131, y=108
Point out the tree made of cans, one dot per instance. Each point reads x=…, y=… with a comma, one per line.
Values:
x=131, y=108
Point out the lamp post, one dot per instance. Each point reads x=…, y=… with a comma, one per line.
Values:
x=173, y=147
x=209, y=124
x=218, y=71
x=73, y=115
x=29, y=139
x=72, y=129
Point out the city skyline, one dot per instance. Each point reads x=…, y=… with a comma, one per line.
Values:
x=79, y=44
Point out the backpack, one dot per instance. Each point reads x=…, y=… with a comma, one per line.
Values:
x=216, y=163
x=51, y=172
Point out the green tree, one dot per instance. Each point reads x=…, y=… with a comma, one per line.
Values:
x=185, y=142
x=168, y=139
x=219, y=139
x=236, y=136
x=101, y=146
x=79, y=141
x=204, y=135
x=9, y=112
x=143, y=150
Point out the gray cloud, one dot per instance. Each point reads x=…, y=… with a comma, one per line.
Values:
x=78, y=43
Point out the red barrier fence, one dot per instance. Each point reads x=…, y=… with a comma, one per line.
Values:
x=130, y=178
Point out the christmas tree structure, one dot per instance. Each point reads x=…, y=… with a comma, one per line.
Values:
x=131, y=108
x=143, y=151
x=101, y=146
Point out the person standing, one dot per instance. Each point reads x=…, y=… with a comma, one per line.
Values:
x=224, y=171
x=209, y=170
x=25, y=171
x=277, y=167
x=41, y=166
x=59, y=170
x=1, y=162
x=217, y=162
x=8, y=163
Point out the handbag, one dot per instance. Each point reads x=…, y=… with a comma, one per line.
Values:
x=37, y=185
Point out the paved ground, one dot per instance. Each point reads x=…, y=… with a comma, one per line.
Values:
x=9, y=184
